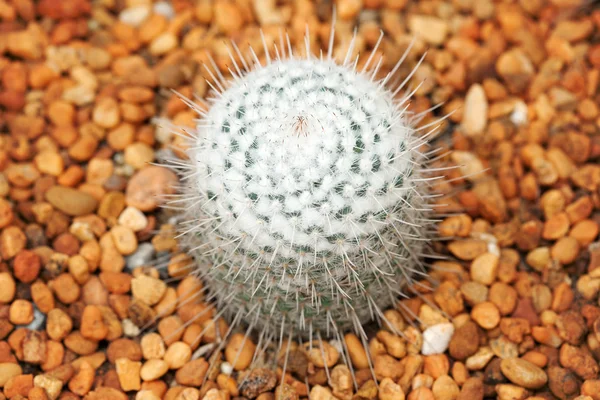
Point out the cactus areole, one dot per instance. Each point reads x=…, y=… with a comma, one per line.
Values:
x=304, y=199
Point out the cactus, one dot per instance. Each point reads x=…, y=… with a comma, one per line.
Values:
x=305, y=197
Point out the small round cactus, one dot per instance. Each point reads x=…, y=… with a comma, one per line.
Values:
x=304, y=196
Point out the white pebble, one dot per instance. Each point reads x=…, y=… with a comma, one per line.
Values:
x=226, y=368
x=475, y=111
x=436, y=339
x=134, y=16
x=129, y=328
x=519, y=114
x=142, y=256
x=133, y=218
x=165, y=9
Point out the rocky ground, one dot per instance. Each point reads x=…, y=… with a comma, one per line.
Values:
x=80, y=84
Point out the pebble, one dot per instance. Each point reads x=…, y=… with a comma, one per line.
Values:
x=192, y=373
x=50, y=384
x=138, y=155
x=388, y=390
x=445, y=388
x=239, y=351
x=475, y=111
x=162, y=44
x=129, y=328
x=165, y=9
x=523, y=373
x=516, y=69
x=71, y=201
x=146, y=186
x=8, y=370
x=106, y=113
x=21, y=312
x=519, y=115
x=485, y=268
x=148, y=289
x=260, y=380
x=141, y=256
x=486, y=315
x=480, y=359
x=125, y=240
x=92, y=323
x=134, y=16
x=150, y=395
x=129, y=374
x=177, y=355
x=9, y=287
x=133, y=218
x=436, y=338
x=504, y=348
x=153, y=369
x=431, y=29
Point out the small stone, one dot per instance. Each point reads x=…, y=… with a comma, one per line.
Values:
x=480, y=359
x=465, y=341
x=511, y=392
x=485, y=268
x=153, y=369
x=129, y=374
x=177, y=355
x=106, y=113
x=165, y=9
x=162, y=44
x=133, y=218
x=228, y=17
x=147, y=289
x=142, y=256
x=523, y=373
x=59, y=324
x=82, y=381
x=12, y=241
x=579, y=361
x=563, y=383
x=8, y=370
x=138, y=155
x=52, y=386
x=504, y=348
x=9, y=287
x=467, y=249
x=322, y=353
x=388, y=390
x=516, y=69
x=260, y=380
x=519, y=115
x=445, y=388
x=71, y=201
x=123, y=348
x=486, y=315
x=436, y=338
x=147, y=185
x=192, y=373
x=92, y=323
x=134, y=16
x=125, y=240
x=21, y=312
x=431, y=29
x=475, y=111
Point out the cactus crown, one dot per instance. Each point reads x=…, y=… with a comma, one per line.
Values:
x=304, y=195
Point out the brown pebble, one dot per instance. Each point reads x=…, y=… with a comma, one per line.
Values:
x=71, y=201
x=147, y=185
